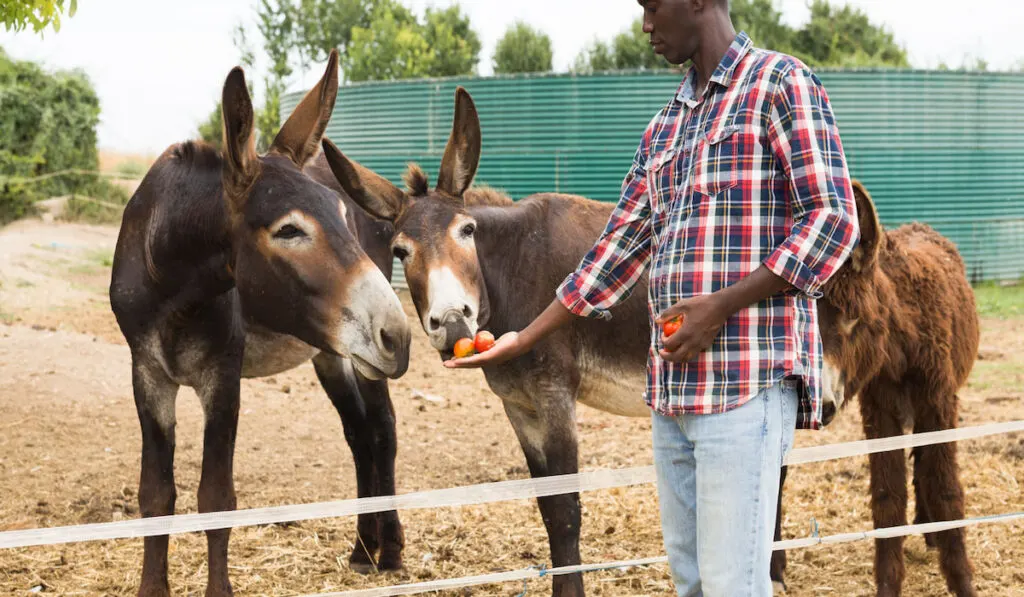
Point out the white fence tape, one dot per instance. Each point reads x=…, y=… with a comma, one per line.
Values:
x=452, y=497
x=533, y=573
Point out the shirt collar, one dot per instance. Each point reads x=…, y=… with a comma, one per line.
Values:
x=739, y=47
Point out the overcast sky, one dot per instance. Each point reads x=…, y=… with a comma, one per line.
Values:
x=158, y=66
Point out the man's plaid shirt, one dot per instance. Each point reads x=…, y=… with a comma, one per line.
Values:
x=749, y=172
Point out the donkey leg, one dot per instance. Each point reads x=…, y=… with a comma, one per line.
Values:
x=155, y=396
x=548, y=439
x=220, y=399
x=778, y=563
x=942, y=493
x=921, y=515
x=339, y=380
x=888, y=486
x=380, y=415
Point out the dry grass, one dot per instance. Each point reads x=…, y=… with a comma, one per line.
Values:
x=69, y=454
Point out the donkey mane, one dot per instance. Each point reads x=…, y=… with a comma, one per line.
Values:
x=418, y=184
x=195, y=152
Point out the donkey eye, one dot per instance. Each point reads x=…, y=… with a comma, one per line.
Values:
x=468, y=229
x=289, y=231
x=400, y=253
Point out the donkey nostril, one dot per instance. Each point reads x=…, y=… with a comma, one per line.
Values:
x=434, y=324
x=467, y=311
x=386, y=342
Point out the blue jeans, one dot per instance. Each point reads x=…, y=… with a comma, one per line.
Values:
x=718, y=484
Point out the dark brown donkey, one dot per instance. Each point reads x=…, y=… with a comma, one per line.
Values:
x=241, y=265
x=900, y=321
x=474, y=259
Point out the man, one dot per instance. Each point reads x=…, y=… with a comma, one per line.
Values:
x=740, y=202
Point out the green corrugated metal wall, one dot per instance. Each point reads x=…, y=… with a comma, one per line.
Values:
x=946, y=148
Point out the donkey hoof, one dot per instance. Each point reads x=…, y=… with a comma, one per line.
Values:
x=362, y=567
x=361, y=562
x=390, y=561
x=154, y=590
x=778, y=587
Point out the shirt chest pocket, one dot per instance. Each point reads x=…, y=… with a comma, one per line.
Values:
x=661, y=180
x=719, y=158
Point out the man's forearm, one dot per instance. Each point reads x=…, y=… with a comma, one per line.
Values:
x=759, y=285
x=552, y=318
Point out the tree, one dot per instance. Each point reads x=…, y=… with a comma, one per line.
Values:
x=322, y=26
x=47, y=124
x=763, y=22
x=596, y=57
x=276, y=23
x=633, y=50
x=456, y=47
x=393, y=47
x=833, y=37
x=396, y=45
x=845, y=37
x=212, y=129
x=523, y=49
x=39, y=14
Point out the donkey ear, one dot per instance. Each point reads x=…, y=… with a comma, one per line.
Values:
x=300, y=135
x=866, y=253
x=372, y=192
x=241, y=163
x=462, y=155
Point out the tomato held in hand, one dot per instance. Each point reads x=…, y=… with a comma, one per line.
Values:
x=464, y=348
x=484, y=341
x=671, y=326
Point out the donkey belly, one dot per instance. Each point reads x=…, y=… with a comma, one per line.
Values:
x=609, y=386
x=270, y=353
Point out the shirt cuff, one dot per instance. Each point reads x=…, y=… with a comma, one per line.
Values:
x=785, y=264
x=572, y=298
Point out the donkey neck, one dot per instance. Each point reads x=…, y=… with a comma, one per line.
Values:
x=521, y=264
x=187, y=235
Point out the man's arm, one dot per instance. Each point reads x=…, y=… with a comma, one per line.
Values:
x=804, y=139
x=606, y=275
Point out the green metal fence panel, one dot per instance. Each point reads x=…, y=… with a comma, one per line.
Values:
x=946, y=148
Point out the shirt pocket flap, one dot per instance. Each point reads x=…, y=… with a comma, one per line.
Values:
x=721, y=134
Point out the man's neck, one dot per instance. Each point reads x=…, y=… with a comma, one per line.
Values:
x=715, y=41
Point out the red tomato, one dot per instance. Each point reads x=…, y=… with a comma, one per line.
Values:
x=463, y=348
x=672, y=326
x=484, y=341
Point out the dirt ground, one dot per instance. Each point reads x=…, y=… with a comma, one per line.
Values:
x=69, y=454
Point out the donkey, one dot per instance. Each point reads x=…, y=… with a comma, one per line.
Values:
x=241, y=265
x=473, y=258
x=900, y=321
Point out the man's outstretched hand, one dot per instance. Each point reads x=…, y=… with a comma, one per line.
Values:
x=505, y=348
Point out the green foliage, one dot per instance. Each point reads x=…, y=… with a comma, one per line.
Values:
x=452, y=40
x=629, y=50
x=392, y=47
x=632, y=50
x=523, y=49
x=16, y=198
x=762, y=20
x=19, y=15
x=82, y=207
x=844, y=37
x=1001, y=301
x=377, y=39
x=395, y=44
x=212, y=129
x=833, y=37
x=47, y=124
x=276, y=23
x=323, y=25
